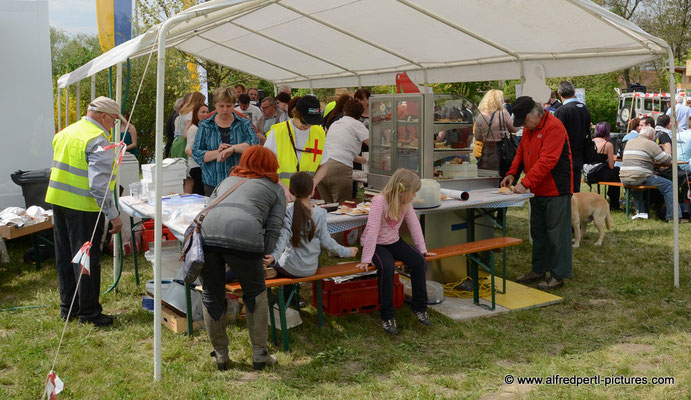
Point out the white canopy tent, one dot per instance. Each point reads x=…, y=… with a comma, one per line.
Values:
x=348, y=43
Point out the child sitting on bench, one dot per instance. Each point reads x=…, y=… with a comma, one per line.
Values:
x=382, y=245
x=303, y=234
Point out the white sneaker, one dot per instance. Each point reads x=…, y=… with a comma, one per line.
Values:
x=640, y=215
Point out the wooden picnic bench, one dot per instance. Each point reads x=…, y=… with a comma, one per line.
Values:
x=470, y=250
x=627, y=192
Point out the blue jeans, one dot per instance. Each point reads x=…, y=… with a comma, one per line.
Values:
x=666, y=189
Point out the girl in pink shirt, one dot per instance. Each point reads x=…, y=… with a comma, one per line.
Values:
x=382, y=245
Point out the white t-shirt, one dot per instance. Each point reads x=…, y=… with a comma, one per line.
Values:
x=191, y=133
x=301, y=137
x=344, y=140
x=253, y=112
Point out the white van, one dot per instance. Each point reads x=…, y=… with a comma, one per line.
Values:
x=638, y=104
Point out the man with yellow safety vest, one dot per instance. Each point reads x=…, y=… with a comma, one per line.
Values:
x=80, y=188
x=299, y=144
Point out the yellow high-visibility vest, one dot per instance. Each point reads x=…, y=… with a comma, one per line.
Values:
x=69, y=176
x=287, y=158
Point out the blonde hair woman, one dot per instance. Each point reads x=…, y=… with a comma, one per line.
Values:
x=382, y=244
x=492, y=123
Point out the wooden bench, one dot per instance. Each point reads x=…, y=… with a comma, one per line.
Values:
x=627, y=192
x=467, y=249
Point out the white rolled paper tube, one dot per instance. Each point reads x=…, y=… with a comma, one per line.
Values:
x=455, y=194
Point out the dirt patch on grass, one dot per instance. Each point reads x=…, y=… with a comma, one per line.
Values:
x=6, y=333
x=632, y=348
x=514, y=391
x=600, y=302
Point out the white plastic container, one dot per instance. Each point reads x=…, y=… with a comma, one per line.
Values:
x=429, y=195
x=174, y=170
x=468, y=170
x=435, y=290
x=167, y=188
x=173, y=294
x=170, y=258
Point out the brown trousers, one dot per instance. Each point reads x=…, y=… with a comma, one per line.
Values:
x=337, y=185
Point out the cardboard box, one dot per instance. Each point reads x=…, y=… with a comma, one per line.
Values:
x=11, y=232
x=175, y=322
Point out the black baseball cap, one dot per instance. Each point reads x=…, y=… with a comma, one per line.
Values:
x=310, y=109
x=520, y=108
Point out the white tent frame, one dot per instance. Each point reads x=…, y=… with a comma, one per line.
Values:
x=198, y=20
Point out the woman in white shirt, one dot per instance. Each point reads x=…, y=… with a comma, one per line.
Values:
x=343, y=142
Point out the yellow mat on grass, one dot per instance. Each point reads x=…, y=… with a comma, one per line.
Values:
x=519, y=296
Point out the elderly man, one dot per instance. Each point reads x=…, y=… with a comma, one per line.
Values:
x=271, y=114
x=637, y=168
x=254, y=96
x=545, y=154
x=576, y=119
x=683, y=112
x=81, y=190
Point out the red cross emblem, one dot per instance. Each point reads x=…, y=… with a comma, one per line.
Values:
x=315, y=151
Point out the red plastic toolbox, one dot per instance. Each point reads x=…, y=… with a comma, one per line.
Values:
x=354, y=296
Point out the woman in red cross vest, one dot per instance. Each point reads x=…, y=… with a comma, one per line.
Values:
x=299, y=144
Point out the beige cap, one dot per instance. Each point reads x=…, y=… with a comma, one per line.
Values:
x=106, y=105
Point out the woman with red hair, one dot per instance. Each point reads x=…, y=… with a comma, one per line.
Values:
x=239, y=231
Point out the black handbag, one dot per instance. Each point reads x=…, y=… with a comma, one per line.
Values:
x=589, y=150
x=192, y=254
x=508, y=148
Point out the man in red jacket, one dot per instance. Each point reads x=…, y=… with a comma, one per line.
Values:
x=545, y=154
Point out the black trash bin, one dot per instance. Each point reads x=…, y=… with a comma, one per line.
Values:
x=34, y=186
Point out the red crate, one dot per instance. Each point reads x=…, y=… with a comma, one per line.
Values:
x=357, y=296
x=148, y=237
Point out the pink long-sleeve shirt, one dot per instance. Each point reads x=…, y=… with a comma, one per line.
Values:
x=382, y=230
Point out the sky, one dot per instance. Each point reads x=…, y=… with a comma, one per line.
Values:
x=73, y=16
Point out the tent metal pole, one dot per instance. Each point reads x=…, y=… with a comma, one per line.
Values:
x=59, y=111
x=275, y=90
x=78, y=90
x=521, y=66
x=311, y=88
x=93, y=87
x=116, y=139
x=160, y=121
x=67, y=105
x=675, y=172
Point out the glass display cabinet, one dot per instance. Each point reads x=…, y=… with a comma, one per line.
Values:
x=419, y=131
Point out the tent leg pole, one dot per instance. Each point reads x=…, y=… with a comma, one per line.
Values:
x=59, y=119
x=67, y=106
x=675, y=174
x=93, y=87
x=117, y=239
x=78, y=90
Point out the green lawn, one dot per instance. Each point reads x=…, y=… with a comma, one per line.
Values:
x=621, y=315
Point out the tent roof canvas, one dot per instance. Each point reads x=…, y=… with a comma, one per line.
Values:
x=348, y=43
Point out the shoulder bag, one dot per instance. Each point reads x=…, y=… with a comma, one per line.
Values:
x=192, y=255
x=589, y=150
x=509, y=146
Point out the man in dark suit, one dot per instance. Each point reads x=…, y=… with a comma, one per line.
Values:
x=576, y=119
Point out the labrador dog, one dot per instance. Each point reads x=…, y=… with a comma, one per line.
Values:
x=586, y=207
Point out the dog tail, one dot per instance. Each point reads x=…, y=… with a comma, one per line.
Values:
x=608, y=221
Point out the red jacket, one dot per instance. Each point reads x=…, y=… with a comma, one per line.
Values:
x=545, y=155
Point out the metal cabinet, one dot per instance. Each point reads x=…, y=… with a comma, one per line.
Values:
x=418, y=131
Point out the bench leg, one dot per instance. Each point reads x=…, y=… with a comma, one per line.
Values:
x=491, y=275
x=627, y=194
x=134, y=250
x=188, y=309
x=503, y=266
x=320, y=305
x=282, y=314
x=476, y=284
x=272, y=301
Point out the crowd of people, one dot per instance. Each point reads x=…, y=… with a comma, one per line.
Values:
x=265, y=157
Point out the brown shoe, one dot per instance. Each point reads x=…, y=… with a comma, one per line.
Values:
x=269, y=273
x=550, y=283
x=530, y=277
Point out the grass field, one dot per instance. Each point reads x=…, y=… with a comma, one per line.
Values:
x=621, y=315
